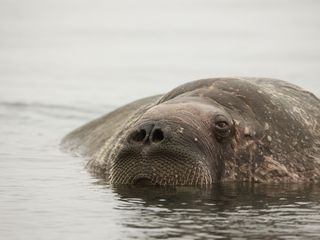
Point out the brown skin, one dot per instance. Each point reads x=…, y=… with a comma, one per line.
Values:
x=256, y=130
x=189, y=131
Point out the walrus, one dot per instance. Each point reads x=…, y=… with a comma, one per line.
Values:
x=207, y=131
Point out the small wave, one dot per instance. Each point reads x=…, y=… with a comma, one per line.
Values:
x=37, y=105
x=27, y=110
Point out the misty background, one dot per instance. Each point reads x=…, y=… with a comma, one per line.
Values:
x=66, y=62
x=110, y=52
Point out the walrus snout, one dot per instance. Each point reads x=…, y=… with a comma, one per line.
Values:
x=148, y=133
x=164, y=151
x=211, y=130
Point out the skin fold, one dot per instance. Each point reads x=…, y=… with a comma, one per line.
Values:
x=207, y=131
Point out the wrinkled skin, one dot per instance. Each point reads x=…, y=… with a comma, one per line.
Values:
x=256, y=130
x=179, y=148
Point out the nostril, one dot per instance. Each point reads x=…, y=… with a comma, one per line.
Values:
x=157, y=135
x=139, y=135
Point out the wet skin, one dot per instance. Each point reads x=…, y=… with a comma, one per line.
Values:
x=206, y=131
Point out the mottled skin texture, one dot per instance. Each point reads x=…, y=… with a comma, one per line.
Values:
x=212, y=130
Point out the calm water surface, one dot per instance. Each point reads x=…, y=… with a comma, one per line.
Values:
x=63, y=63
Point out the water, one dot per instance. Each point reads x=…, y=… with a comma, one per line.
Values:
x=63, y=63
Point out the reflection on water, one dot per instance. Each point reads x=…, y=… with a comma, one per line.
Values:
x=46, y=194
x=225, y=211
x=65, y=62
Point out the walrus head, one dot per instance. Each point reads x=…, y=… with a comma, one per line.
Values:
x=207, y=131
x=177, y=142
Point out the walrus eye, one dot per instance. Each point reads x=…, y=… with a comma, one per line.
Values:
x=222, y=124
x=222, y=127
